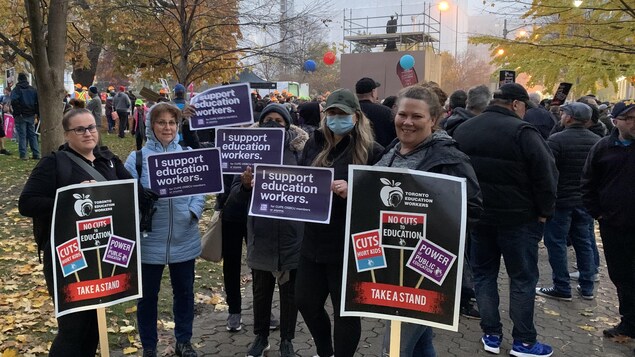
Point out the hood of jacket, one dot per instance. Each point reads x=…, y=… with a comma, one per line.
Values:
x=459, y=115
x=152, y=142
x=294, y=138
x=23, y=84
x=421, y=158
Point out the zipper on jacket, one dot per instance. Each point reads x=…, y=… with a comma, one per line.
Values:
x=167, y=246
x=170, y=219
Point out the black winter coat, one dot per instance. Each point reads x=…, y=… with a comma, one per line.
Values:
x=458, y=117
x=570, y=148
x=274, y=244
x=514, y=166
x=382, y=120
x=607, y=182
x=324, y=243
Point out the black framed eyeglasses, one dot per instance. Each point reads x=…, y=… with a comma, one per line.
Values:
x=80, y=130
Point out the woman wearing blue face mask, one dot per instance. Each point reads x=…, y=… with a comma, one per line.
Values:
x=344, y=137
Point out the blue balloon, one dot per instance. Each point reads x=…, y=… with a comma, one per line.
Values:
x=406, y=62
x=310, y=66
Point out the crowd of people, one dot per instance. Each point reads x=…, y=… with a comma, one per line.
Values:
x=532, y=170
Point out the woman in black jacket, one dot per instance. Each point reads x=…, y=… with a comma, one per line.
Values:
x=273, y=245
x=345, y=137
x=77, y=332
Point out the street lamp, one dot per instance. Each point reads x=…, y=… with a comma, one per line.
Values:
x=445, y=6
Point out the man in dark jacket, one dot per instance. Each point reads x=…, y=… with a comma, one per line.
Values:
x=608, y=195
x=476, y=102
x=121, y=103
x=540, y=117
x=518, y=176
x=25, y=105
x=570, y=148
x=379, y=115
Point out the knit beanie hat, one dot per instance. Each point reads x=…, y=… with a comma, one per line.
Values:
x=93, y=89
x=277, y=108
x=179, y=88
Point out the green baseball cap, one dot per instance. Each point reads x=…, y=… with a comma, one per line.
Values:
x=343, y=99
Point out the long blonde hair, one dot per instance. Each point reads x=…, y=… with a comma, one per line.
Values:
x=363, y=139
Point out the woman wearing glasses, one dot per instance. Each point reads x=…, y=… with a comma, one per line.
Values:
x=174, y=240
x=77, y=332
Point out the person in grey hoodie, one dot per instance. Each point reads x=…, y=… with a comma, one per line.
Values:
x=121, y=103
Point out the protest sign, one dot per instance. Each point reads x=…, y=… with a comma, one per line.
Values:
x=9, y=125
x=505, y=77
x=296, y=193
x=419, y=220
x=369, y=254
x=561, y=93
x=91, y=221
x=9, y=77
x=185, y=173
x=222, y=106
x=242, y=147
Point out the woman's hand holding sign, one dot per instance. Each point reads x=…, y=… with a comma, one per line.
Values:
x=340, y=188
x=188, y=111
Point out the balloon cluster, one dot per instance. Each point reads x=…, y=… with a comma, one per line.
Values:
x=407, y=62
x=328, y=59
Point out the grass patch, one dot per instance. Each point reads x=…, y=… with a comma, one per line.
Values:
x=27, y=322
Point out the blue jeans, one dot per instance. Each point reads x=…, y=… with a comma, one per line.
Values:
x=576, y=223
x=25, y=128
x=416, y=341
x=594, y=247
x=518, y=244
x=182, y=279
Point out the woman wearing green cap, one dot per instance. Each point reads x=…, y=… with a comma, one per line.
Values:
x=344, y=138
x=139, y=126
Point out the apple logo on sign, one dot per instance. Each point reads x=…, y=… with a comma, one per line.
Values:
x=84, y=205
x=391, y=194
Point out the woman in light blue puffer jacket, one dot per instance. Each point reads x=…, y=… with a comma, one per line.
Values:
x=173, y=241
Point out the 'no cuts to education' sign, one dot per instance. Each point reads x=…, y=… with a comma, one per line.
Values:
x=405, y=236
x=94, y=244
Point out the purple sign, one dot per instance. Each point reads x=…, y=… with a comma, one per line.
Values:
x=185, y=173
x=431, y=261
x=222, y=106
x=297, y=193
x=242, y=147
x=119, y=251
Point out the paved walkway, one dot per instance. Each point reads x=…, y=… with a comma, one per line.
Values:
x=572, y=328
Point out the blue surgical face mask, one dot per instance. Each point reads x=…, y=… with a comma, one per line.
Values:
x=340, y=124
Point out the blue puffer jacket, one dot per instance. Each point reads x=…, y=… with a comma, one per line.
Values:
x=175, y=236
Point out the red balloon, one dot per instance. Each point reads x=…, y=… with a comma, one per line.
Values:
x=329, y=58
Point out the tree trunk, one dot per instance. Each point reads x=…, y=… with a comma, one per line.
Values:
x=48, y=43
x=86, y=76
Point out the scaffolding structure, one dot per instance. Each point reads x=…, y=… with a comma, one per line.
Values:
x=413, y=31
